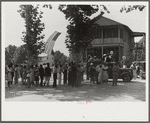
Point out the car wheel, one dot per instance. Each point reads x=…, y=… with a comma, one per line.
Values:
x=126, y=78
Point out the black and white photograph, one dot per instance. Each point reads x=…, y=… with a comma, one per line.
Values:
x=75, y=61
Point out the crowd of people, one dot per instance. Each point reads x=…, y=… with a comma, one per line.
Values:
x=71, y=73
x=102, y=69
x=97, y=70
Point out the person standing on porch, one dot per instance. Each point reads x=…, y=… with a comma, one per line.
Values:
x=104, y=58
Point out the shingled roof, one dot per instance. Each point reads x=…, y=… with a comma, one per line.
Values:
x=103, y=21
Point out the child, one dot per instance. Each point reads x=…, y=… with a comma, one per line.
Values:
x=115, y=70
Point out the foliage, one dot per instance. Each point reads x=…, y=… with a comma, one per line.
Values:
x=59, y=58
x=16, y=55
x=9, y=53
x=47, y=6
x=20, y=55
x=34, y=27
x=79, y=34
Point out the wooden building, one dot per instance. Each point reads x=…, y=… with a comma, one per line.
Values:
x=44, y=58
x=140, y=50
x=112, y=36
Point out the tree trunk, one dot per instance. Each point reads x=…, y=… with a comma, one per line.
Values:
x=77, y=57
x=30, y=59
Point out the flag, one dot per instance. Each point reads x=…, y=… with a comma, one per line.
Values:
x=50, y=42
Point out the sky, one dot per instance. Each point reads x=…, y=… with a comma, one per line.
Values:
x=54, y=20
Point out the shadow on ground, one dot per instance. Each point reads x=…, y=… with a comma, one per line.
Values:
x=133, y=91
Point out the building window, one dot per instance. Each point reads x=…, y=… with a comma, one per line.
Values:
x=97, y=33
x=109, y=33
x=115, y=32
x=105, y=33
x=121, y=33
x=100, y=34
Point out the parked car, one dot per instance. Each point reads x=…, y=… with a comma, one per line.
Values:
x=126, y=74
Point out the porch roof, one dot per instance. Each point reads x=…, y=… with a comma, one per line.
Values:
x=104, y=22
x=137, y=34
x=109, y=45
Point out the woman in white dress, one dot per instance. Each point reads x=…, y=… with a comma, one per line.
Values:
x=105, y=74
x=100, y=74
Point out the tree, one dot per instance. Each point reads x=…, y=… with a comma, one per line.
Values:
x=20, y=54
x=78, y=34
x=34, y=27
x=59, y=58
x=9, y=53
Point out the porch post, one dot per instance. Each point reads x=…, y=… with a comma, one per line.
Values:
x=119, y=42
x=102, y=42
x=119, y=52
x=102, y=50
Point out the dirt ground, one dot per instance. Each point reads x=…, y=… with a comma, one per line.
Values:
x=126, y=92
